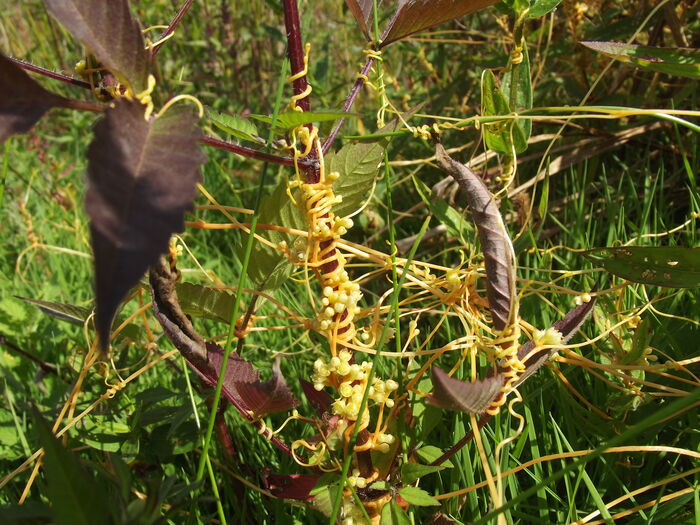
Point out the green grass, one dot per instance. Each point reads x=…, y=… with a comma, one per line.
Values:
x=147, y=436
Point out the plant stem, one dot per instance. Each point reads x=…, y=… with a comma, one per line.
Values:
x=252, y=153
x=181, y=13
x=295, y=50
x=50, y=74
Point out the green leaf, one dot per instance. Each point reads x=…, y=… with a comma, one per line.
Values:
x=65, y=312
x=392, y=514
x=457, y=225
x=430, y=453
x=417, y=496
x=236, y=126
x=682, y=62
x=671, y=267
x=292, y=119
x=197, y=300
x=518, y=87
x=540, y=8
x=76, y=498
x=324, y=493
x=110, y=33
x=412, y=472
x=501, y=136
x=271, y=268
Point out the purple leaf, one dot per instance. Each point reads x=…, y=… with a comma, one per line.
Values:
x=452, y=394
x=141, y=179
x=293, y=486
x=567, y=327
x=498, y=250
x=107, y=28
x=361, y=10
x=321, y=401
x=416, y=15
x=22, y=100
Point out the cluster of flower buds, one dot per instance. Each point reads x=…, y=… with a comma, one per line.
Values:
x=353, y=380
x=339, y=294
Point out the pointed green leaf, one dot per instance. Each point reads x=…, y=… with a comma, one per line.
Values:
x=236, y=126
x=430, y=453
x=672, y=267
x=412, y=16
x=417, y=496
x=142, y=177
x=292, y=119
x=75, y=497
x=202, y=301
x=540, y=8
x=66, y=312
x=412, y=472
x=682, y=62
x=22, y=100
x=457, y=225
x=518, y=87
x=324, y=493
x=393, y=514
x=501, y=136
x=111, y=33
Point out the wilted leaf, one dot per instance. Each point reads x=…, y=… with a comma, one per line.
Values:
x=292, y=486
x=22, y=100
x=141, y=180
x=502, y=136
x=495, y=243
x=233, y=125
x=270, y=268
x=672, y=267
x=684, y=62
x=361, y=10
x=393, y=514
x=517, y=85
x=416, y=15
x=202, y=301
x=452, y=394
x=567, y=327
x=412, y=472
x=417, y=496
x=111, y=34
x=66, y=312
x=75, y=497
x=292, y=119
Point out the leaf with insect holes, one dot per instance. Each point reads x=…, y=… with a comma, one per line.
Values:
x=671, y=267
x=68, y=483
x=501, y=136
x=495, y=242
x=242, y=383
x=567, y=327
x=197, y=300
x=412, y=16
x=22, y=100
x=683, y=62
x=361, y=10
x=65, y=312
x=142, y=176
x=473, y=397
x=236, y=126
x=111, y=33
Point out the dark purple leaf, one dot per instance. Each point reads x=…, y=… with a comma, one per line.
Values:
x=22, y=100
x=498, y=250
x=293, y=486
x=452, y=394
x=320, y=400
x=416, y=15
x=142, y=176
x=567, y=327
x=361, y=10
x=109, y=31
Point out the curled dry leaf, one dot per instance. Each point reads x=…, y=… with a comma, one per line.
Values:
x=416, y=15
x=22, y=100
x=142, y=177
x=495, y=242
x=110, y=32
x=474, y=397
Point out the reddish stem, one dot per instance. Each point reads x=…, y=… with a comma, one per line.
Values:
x=254, y=154
x=181, y=13
x=50, y=74
x=295, y=50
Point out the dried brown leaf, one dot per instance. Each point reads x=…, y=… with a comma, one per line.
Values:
x=452, y=394
x=495, y=242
